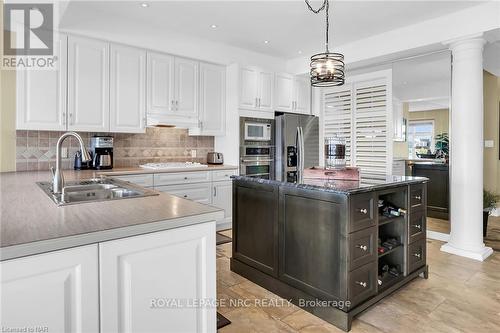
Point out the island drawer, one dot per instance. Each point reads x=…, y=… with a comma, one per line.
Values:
x=418, y=198
x=363, y=247
x=197, y=192
x=145, y=180
x=223, y=175
x=362, y=283
x=181, y=178
x=416, y=226
x=416, y=255
x=362, y=209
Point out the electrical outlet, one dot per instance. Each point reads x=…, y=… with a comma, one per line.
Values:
x=64, y=152
x=193, y=153
x=489, y=144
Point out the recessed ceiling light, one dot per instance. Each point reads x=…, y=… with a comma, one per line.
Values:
x=214, y=26
x=266, y=42
x=144, y=5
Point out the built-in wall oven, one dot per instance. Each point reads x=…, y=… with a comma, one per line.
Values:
x=256, y=147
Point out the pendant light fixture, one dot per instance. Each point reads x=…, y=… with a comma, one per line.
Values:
x=327, y=69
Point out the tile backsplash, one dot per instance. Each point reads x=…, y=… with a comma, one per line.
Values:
x=36, y=150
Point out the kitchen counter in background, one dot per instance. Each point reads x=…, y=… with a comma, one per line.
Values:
x=32, y=223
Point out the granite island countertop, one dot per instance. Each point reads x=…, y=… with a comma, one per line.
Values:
x=31, y=223
x=367, y=183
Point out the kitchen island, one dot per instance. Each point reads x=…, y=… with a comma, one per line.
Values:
x=108, y=266
x=325, y=245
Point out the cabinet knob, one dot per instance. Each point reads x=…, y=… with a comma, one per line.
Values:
x=417, y=255
x=418, y=197
x=362, y=284
x=418, y=226
x=362, y=247
x=185, y=178
x=363, y=211
x=185, y=196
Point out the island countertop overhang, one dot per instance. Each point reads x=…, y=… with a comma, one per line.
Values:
x=367, y=183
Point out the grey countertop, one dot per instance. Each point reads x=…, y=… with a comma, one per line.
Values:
x=134, y=171
x=32, y=223
x=367, y=183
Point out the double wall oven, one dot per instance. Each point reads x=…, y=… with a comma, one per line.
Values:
x=257, y=147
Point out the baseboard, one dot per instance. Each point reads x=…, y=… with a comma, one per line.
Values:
x=480, y=255
x=495, y=212
x=438, y=236
x=224, y=226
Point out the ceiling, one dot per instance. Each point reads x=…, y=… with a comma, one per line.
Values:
x=288, y=25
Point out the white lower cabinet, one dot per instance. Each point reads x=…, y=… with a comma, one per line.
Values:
x=196, y=192
x=57, y=290
x=223, y=199
x=143, y=276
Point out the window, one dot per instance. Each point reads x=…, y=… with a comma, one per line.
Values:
x=358, y=112
x=420, y=137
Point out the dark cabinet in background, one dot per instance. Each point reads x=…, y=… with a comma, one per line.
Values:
x=438, y=202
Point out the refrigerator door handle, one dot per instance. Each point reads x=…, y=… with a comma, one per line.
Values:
x=299, y=144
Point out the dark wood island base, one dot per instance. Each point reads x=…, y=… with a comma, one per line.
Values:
x=325, y=245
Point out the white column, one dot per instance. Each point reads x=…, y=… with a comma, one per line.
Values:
x=466, y=151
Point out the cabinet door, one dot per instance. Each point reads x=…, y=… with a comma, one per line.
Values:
x=57, y=290
x=302, y=94
x=266, y=89
x=160, y=83
x=248, y=88
x=186, y=87
x=88, y=84
x=41, y=94
x=212, y=99
x=284, y=92
x=138, y=274
x=223, y=198
x=127, y=90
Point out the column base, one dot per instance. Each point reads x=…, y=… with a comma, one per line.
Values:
x=481, y=255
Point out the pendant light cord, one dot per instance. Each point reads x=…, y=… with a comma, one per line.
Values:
x=326, y=7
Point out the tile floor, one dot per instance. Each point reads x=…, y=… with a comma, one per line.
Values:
x=460, y=295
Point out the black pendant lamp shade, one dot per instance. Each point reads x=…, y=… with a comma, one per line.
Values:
x=328, y=68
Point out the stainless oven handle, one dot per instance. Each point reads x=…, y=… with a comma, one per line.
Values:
x=256, y=161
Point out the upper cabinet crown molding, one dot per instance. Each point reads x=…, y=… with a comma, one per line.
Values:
x=41, y=94
x=127, y=89
x=88, y=84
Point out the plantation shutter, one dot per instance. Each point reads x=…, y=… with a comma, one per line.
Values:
x=371, y=127
x=338, y=117
x=359, y=113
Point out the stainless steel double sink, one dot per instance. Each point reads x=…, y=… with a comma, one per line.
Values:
x=92, y=190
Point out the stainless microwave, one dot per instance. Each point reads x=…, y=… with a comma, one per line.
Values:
x=257, y=131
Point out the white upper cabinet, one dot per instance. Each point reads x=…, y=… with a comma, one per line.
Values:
x=284, y=92
x=160, y=80
x=41, y=94
x=302, y=93
x=256, y=89
x=212, y=99
x=186, y=87
x=266, y=91
x=127, y=89
x=58, y=290
x=248, y=88
x=88, y=84
x=292, y=94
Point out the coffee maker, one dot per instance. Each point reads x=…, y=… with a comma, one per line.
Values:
x=101, y=148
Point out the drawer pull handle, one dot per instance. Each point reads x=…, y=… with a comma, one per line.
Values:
x=418, y=197
x=185, y=178
x=418, y=255
x=418, y=226
x=362, y=284
x=185, y=196
x=362, y=247
x=363, y=211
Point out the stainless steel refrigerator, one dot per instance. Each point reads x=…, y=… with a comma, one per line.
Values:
x=297, y=145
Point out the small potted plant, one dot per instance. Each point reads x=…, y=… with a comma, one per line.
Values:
x=490, y=200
